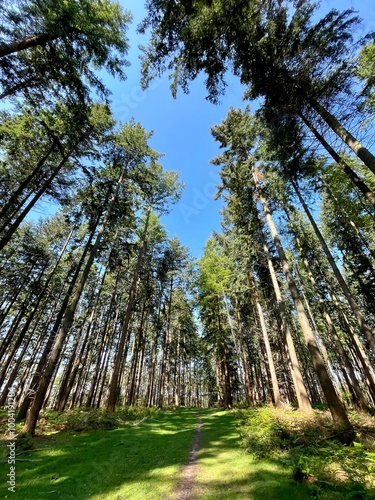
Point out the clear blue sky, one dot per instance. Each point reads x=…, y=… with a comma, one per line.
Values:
x=182, y=130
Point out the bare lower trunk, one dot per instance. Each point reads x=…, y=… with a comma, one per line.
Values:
x=299, y=386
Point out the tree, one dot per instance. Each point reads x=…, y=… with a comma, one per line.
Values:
x=158, y=189
x=66, y=134
x=285, y=58
x=240, y=157
x=53, y=48
x=366, y=72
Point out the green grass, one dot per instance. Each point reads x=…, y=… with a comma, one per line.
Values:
x=135, y=461
x=225, y=471
x=257, y=454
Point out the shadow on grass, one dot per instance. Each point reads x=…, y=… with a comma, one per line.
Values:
x=227, y=472
x=135, y=461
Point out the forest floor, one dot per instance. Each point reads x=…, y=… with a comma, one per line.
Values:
x=182, y=454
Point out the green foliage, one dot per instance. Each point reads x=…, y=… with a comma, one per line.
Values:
x=85, y=419
x=72, y=40
x=308, y=445
x=279, y=51
x=366, y=72
x=140, y=460
x=79, y=420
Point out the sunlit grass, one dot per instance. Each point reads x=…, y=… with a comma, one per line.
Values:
x=134, y=461
x=226, y=472
x=250, y=455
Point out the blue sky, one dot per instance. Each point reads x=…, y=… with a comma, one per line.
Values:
x=182, y=130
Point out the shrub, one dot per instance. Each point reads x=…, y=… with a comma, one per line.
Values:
x=307, y=444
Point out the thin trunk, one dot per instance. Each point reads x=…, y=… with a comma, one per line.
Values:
x=365, y=329
x=68, y=319
x=299, y=386
x=349, y=370
x=114, y=385
x=362, y=153
x=357, y=181
x=5, y=209
x=165, y=348
x=357, y=231
x=14, y=226
x=270, y=362
x=67, y=381
x=48, y=347
x=104, y=342
x=335, y=405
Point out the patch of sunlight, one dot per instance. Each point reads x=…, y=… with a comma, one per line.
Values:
x=155, y=486
x=51, y=453
x=164, y=432
x=166, y=471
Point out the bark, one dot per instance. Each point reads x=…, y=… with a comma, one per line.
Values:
x=103, y=344
x=271, y=365
x=357, y=181
x=362, y=153
x=165, y=348
x=345, y=360
x=365, y=329
x=7, y=49
x=72, y=367
x=335, y=405
x=31, y=315
x=299, y=386
x=68, y=319
x=134, y=360
x=14, y=226
x=49, y=344
x=114, y=385
x=357, y=231
x=10, y=207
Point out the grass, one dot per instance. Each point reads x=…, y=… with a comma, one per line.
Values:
x=225, y=471
x=256, y=454
x=137, y=460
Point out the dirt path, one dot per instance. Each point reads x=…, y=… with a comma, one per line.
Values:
x=185, y=487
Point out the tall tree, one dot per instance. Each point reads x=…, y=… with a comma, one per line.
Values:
x=280, y=52
x=54, y=48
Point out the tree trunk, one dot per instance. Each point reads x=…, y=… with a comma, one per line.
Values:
x=8, y=208
x=357, y=181
x=48, y=347
x=68, y=319
x=349, y=370
x=362, y=153
x=165, y=348
x=7, y=49
x=299, y=386
x=357, y=231
x=14, y=226
x=335, y=405
x=344, y=287
x=114, y=385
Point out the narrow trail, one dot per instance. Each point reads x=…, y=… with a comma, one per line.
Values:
x=185, y=487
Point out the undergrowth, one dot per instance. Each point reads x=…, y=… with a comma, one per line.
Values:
x=308, y=445
x=85, y=419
